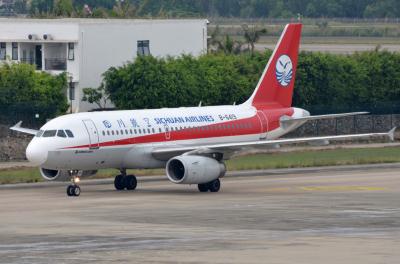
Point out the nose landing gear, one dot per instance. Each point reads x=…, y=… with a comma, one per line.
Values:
x=74, y=189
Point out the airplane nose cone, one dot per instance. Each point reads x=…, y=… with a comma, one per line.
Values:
x=35, y=153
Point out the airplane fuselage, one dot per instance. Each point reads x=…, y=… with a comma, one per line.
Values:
x=126, y=139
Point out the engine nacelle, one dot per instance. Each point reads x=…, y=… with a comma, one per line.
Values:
x=194, y=169
x=63, y=175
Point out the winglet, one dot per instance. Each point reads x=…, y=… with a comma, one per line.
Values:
x=391, y=133
x=17, y=127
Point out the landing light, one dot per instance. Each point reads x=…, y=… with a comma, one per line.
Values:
x=76, y=180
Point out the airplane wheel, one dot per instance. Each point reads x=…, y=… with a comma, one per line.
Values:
x=203, y=187
x=70, y=189
x=214, y=186
x=77, y=190
x=130, y=182
x=119, y=182
x=73, y=190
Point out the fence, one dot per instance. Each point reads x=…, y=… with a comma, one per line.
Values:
x=31, y=115
x=348, y=125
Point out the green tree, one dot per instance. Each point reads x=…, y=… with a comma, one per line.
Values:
x=324, y=82
x=38, y=7
x=98, y=96
x=63, y=8
x=228, y=46
x=124, y=9
x=252, y=35
x=25, y=92
x=228, y=8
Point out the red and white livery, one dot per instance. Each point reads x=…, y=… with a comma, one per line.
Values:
x=190, y=142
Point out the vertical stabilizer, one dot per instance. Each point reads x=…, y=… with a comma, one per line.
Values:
x=277, y=81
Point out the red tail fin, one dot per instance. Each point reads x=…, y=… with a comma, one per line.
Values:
x=277, y=81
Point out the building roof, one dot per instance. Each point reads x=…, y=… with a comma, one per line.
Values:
x=99, y=20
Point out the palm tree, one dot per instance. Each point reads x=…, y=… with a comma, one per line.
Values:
x=226, y=44
x=230, y=46
x=124, y=9
x=252, y=35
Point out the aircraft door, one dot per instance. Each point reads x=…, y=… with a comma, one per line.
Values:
x=92, y=133
x=264, y=124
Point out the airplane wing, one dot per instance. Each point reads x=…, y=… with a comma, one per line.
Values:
x=230, y=148
x=287, y=120
x=17, y=127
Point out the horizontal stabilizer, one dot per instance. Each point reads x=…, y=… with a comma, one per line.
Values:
x=17, y=127
x=287, y=121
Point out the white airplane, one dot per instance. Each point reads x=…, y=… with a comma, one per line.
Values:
x=190, y=142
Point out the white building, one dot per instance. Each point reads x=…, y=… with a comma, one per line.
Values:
x=86, y=48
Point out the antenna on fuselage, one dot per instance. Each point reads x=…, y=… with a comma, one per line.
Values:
x=200, y=104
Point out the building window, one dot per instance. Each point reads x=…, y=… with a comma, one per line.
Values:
x=14, y=51
x=71, y=51
x=143, y=47
x=71, y=91
x=2, y=50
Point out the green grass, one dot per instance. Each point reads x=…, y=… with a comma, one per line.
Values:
x=316, y=158
x=259, y=161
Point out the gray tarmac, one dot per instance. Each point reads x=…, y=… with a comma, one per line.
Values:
x=315, y=216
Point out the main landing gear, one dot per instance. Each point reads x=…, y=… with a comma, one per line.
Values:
x=124, y=181
x=74, y=189
x=212, y=186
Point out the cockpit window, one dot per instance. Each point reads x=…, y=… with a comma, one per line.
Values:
x=61, y=133
x=69, y=133
x=39, y=133
x=49, y=133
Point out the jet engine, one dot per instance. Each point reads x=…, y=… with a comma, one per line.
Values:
x=63, y=175
x=194, y=169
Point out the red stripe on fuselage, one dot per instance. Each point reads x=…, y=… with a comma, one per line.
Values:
x=246, y=126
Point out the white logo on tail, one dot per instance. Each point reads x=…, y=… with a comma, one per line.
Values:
x=284, y=70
